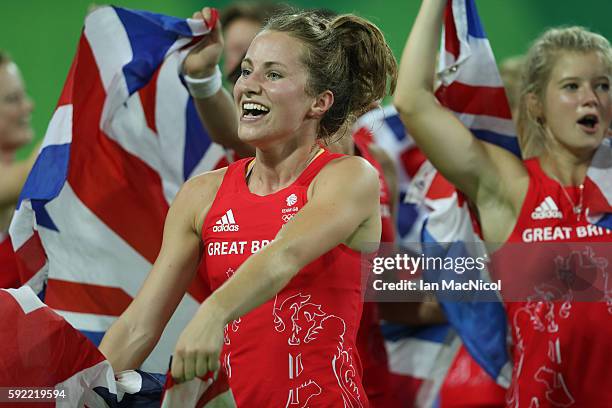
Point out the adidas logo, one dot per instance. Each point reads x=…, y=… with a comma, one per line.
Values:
x=548, y=209
x=226, y=223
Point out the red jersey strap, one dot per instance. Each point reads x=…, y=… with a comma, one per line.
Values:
x=536, y=181
x=534, y=168
x=315, y=166
x=234, y=175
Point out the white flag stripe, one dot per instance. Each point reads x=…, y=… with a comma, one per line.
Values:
x=87, y=321
x=600, y=169
x=170, y=102
x=82, y=384
x=59, y=130
x=87, y=241
x=412, y=356
x=20, y=229
x=109, y=43
x=472, y=71
x=490, y=123
x=26, y=298
x=129, y=129
x=209, y=161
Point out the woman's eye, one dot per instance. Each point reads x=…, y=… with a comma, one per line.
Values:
x=571, y=86
x=604, y=86
x=244, y=72
x=274, y=75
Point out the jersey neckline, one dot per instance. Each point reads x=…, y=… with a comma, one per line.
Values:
x=244, y=187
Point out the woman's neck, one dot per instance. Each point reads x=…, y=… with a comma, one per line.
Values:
x=567, y=169
x=277, y=167
x=7, y=157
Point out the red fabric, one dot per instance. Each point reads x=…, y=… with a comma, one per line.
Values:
x=476, y=100
x=467, y=385
x=297, y=349
x=31, y=258
x=86, y=298
x=362, y=139
x=40, y=348
x=561, y=349
x=370, y=341
x=404, y=389
x=9, y=271
x=411, y=160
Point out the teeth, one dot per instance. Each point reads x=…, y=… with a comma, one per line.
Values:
x=254, y=106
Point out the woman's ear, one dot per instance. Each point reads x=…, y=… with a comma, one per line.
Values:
x=535, y=110
x=321, y=104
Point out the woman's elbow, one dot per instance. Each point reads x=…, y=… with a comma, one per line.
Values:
x=410, y=102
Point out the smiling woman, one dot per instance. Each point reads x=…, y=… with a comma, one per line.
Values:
x=282, y=235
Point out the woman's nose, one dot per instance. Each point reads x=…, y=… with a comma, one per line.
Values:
x=589, y=96
x=28, y=104
x=251, y=84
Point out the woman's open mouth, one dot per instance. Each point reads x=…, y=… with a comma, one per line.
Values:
x=254, y=111
x=589, y=123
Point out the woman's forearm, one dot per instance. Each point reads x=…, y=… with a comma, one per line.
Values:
x=126, y=346
x=256, y=281
x=220, y=118
x=417, y=67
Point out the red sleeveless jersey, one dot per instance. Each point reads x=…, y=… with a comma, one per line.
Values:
x=298, y=348
x=561, y=349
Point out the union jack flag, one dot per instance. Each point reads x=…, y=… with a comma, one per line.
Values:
x=41, y=349
x=38, y=350
x=472, y=89
x=124, y=137
x=434, y=212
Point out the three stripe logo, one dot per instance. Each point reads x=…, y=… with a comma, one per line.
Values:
x=547, y=209
x=226, y=223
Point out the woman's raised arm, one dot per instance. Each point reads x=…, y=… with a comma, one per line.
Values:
x=475, y=167
x=217, y=111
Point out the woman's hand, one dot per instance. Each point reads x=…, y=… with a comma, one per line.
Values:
x=199, y=346
x=202, y=59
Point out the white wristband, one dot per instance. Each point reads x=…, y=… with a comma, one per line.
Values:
x=202, y=88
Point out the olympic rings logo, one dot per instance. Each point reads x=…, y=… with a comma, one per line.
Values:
x=287, y=217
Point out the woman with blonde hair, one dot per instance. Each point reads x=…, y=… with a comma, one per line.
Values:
x=565, y=109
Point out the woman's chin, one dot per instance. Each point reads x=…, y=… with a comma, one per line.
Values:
x=17, y=140
x=247, y=137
